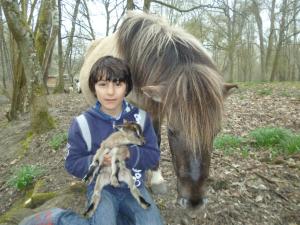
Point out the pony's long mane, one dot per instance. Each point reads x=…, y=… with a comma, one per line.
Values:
x=160, y=54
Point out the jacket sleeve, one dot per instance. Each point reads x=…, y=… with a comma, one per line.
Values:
x=78, y=158
x=146, y=156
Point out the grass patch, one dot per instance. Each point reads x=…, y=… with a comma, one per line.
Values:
x=25, y=176
x=291, y=144
x=269, y=136
x=265, y=92
x=58, y=140
x=277, y=140
x=227, y=143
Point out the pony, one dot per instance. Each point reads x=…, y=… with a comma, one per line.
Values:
x=174, y=79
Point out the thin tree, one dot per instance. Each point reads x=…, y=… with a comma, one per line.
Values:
x=41, y=121
x=60, y=85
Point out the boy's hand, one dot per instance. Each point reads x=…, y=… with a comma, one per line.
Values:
x=106, y=160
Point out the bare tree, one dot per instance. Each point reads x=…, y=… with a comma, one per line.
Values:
x=280, y=39
x=60, y=85
x=23, y=36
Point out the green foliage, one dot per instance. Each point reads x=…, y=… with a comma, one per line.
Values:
x=227, y=143
x=269, y=136
x=25, y=176
x=285, y=93
x=278, y=140
x=291, y=144
x=58, y=140
x=264, y=92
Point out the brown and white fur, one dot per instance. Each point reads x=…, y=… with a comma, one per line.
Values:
x=116, y=146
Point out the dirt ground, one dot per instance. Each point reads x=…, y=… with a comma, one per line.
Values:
x=241, y=190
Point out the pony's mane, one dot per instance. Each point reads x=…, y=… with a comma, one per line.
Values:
x=160, y=54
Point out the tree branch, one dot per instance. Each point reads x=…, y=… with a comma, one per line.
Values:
x=186, y=10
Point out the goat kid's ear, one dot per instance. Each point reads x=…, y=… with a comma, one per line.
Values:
x=154, y=92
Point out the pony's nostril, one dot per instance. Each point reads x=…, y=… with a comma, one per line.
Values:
x=183, y=202
x=199, y=202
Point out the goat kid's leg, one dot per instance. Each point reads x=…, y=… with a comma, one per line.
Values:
x=125, y=176
x=101, y=181
x=95, y=165
x=114, y=167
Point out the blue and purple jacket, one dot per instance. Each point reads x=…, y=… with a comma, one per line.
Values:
x=89, y=129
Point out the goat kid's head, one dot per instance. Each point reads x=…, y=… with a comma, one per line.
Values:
x=132, y=131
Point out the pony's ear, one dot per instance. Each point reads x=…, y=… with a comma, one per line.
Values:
x=227, y=89
x=154, y=92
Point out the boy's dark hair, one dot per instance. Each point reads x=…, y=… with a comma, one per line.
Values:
x=112, y=69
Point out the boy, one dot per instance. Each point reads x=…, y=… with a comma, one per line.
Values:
x=110, y=81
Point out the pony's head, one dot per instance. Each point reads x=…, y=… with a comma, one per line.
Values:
x=193, y=105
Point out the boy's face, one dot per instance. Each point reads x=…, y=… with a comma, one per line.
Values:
x=110, y=94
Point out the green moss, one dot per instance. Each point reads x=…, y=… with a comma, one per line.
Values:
x=38, y=199
x=42, y=123
x=17, y=210
x=25, y=144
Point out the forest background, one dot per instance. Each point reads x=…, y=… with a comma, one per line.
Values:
x=41, y=39
x=254, y=177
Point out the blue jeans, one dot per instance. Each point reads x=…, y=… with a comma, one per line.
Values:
x=117, y=207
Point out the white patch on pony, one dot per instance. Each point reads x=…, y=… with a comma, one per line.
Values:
x=157, y=177
x=195, y=169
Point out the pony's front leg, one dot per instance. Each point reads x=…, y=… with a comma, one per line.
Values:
x=158, y=184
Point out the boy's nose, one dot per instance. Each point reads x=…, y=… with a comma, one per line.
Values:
x=110, y=88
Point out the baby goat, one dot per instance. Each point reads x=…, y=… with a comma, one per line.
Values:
x=115, y=146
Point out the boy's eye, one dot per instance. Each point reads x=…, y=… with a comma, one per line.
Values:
x=101, y=83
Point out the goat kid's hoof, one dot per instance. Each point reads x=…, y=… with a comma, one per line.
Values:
x=114, y=182
x=90, y=210
x=160, y=188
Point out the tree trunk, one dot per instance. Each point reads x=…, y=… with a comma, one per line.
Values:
x=60, y=86
x=280, y=40
x=42, y=36
x=146, y=7
x=258, y=19
x=130, y=5
x=40, y=118
x=270, y=40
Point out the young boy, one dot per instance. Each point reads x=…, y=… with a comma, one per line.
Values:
x=110, y=81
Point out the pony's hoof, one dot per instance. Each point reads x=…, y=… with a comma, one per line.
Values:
x=160, y=188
